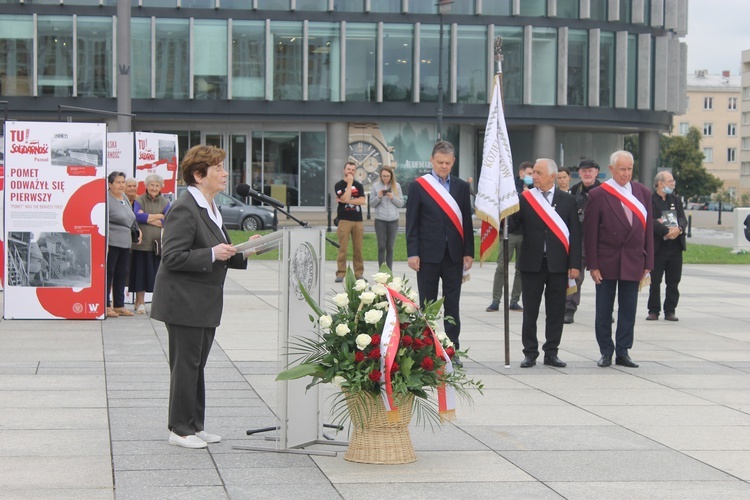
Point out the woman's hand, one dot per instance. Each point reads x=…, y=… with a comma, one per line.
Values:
x=224, y=251
x=140, y=236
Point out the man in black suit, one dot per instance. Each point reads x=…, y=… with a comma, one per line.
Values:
x=550, y=256
x=439, y=233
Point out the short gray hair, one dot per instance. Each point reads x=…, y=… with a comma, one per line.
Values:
x=154, y=178
x=444, y=147
x=619, y=154
x=660, y=177
x=551, y=165
x=130, y=180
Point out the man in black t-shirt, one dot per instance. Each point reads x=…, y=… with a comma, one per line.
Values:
x=350, y=196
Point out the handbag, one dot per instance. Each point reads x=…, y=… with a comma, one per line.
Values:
x=157, y=247
x=135, y=232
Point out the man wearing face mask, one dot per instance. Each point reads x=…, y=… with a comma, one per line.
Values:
x=669, y=243
x=524, y=182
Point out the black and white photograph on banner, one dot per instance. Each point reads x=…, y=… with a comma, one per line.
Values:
x=83, y=149
x=49, y=259
x=167, y=150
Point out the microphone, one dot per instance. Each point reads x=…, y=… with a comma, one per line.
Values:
x=244, y=190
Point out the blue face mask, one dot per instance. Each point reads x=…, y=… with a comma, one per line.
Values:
x=528, y=180
x=668, y=190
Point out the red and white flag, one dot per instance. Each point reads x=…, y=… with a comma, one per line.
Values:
x=496, y=196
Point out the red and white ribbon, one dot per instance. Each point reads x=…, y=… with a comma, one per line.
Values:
x=627, y=199
x=443, y=198
x=549, y=216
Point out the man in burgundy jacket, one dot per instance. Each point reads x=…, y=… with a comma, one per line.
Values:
x=619, y=248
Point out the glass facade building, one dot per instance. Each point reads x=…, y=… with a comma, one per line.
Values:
x=287, y=86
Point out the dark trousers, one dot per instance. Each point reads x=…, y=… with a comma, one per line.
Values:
x=627, y=301
x=667, y=264
x=553, y=285
x=451, y=274
x=188, y=352
x=118, y=262
x=386, y=231
x=574, y=299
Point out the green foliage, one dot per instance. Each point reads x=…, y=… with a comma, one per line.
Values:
x=684, y=156
x=709, y=254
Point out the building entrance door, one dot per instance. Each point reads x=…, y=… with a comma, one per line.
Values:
x=236, y=146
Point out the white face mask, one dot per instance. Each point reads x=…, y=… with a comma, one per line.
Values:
x=668, y=190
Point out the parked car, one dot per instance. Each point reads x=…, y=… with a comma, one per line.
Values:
x=697, y=205
x=239, y=215
x=725, y=207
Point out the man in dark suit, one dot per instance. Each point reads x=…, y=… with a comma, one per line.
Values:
x=550, y=256
x=439, y=234
x=189, y=290
x=619, y=246
x=669, y=243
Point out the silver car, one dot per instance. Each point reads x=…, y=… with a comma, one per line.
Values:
x=239, y=215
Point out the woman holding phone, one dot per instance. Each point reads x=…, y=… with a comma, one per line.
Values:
x=386, y=198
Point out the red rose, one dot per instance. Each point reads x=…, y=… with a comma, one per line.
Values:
x=406, y=341
x=359, y=356
x=450, y=352
x=375, y=375
x=426, y=333
x=417, y=344
x=374, y=354
x=375, y=340
x=404, y=326
x=394, y=368
x=428, y=364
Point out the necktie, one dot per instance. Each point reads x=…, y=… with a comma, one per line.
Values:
x=546, y=196
x=628, y=213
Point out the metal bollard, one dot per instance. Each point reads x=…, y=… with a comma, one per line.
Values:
x=720, y=207
x=368, y=207
x=690, y=225
x=328, y=211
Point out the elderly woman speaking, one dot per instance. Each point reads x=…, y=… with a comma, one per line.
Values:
x=150, y=209
x=188, y=293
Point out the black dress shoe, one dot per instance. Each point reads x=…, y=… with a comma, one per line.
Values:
x=653, y=316
x=528, y=362
x=569, y=317
x=671, y=317
x=625, y=361
x=604, y=361
x=554, y=361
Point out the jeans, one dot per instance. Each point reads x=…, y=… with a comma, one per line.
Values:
x=386, y=231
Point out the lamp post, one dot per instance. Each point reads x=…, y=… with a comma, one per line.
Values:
x=444, y=7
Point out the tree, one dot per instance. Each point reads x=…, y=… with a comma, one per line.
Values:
x=683, y=156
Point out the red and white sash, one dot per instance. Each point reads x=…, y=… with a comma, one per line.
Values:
x=443, y=198
x=627, y=198
x=551, y=218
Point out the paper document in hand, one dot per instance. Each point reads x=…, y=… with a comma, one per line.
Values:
x=260, y=245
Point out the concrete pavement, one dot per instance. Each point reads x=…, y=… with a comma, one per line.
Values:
x=83, y=408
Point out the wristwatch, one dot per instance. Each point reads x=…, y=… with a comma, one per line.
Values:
x=369, y=151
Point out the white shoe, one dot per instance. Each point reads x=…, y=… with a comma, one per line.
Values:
x=209, y=438
x=191, y=441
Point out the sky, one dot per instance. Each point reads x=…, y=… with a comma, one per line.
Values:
x=718, y=32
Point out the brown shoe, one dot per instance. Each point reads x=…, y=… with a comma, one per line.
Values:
x=111, y=313
x=121, y=311
x=671, y=317
x=652, y=316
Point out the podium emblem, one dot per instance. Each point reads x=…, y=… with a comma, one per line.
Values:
x=304, y=269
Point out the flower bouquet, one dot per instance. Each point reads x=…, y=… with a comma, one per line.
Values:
x=377, y=344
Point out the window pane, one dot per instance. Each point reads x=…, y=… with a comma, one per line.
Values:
x=159, y=3
x=349, y=5
x=429, y=52
x=248, y=59
x=607, y=69
x=360, y=61
x=210, y=59
x=140, y=57
x=544, y=69
x=534, y=8
x=472, y=73
x=287, y=60
x=423, y=6
x=323, y=61
x=238, y=159
x=458, y=7
x=625, y=11
x=94, y=57
x=198, y=4
x=278, y=165
x=512, y=63
x=578, y=67
x=599, y=10
x=55, y=58
x=397, y=62
x=632, y=90
x=309, y=5
x=271, y=5
x=497, y=7
x=172, y=72
x=567, y=9
x=312, y=169
x=393, y=6
x=16, y=55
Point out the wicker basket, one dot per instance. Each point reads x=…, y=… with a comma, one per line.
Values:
x=373, y=439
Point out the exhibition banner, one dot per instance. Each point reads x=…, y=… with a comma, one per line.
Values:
x=156, y=154
x=55, y=220
x=120, y=153
x=2, y=233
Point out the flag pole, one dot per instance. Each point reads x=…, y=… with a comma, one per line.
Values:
x=504, y=221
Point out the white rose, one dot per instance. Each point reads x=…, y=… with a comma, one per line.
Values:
x=442, y=337
x=381, y=277
x=367, y=298
x=338, y=380
x=325, y=321
x=373, y=316
x=413, y=296
x=378, y=289
x=342, y=329
x=363, y=340
x=382, y=305
x=410, y=309
x=341, y=299
x=397, y=284
x=360, y=285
